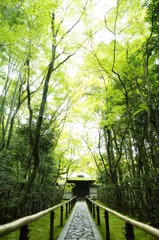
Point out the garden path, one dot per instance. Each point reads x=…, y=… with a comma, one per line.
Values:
x=80, y=225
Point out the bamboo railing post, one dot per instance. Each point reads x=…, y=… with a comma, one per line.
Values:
x=61, y=219
x=66, y=210
x=98, y=215
x=69, y=207
x=106, y=216
x=94, y=215
x=88, y=201
x=24, y=231
x=52, y=216
x=129, y=231
x=89, y=204
x=91, y=207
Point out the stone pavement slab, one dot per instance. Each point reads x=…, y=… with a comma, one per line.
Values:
x=80, y=225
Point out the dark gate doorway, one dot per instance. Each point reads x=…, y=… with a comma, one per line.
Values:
x=81, y=189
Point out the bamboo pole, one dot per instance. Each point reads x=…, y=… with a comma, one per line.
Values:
x=98, y=215
x=106, y=216
x=52, y=216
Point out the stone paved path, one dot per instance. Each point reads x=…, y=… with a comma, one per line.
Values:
x=80, y=225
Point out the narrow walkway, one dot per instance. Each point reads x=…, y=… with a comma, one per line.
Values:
x=80, y=225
